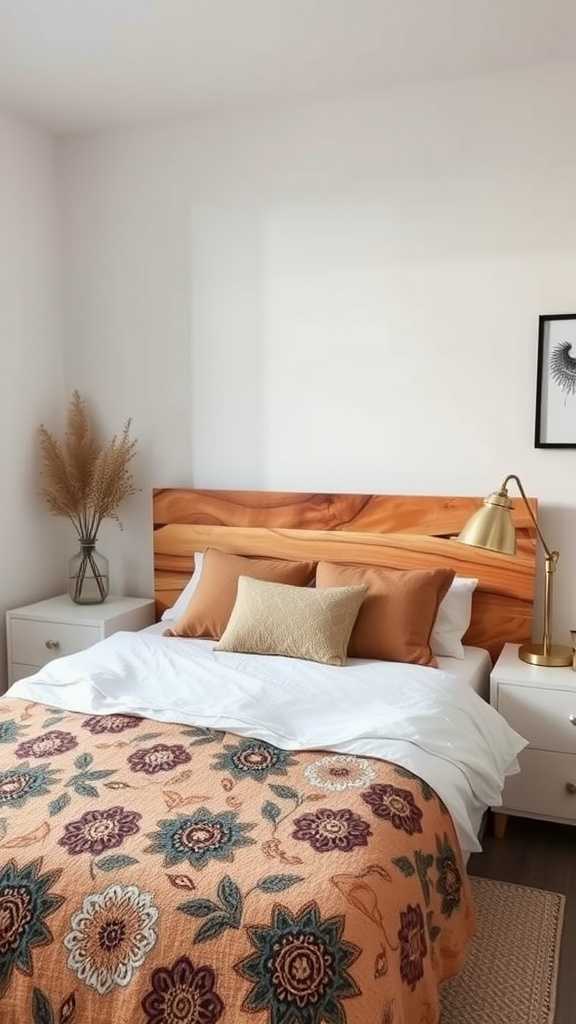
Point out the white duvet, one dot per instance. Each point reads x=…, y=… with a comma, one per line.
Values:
x=421, y=718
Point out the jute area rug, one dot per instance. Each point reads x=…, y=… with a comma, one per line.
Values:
x=511, y=973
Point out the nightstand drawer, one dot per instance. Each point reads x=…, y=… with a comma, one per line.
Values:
x=35, y=642
x=542, y=716
x=541, y=786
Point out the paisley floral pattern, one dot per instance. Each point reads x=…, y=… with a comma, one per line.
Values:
x=299, y=970
x=161, y=758
x=110, y=723
x=17, y=785
x=396, y=806
x=26, y=900
x=9, y=731
x=449, y=882
x=47, y=744
x=111, y=936
x=195, y=877
x=328, y=830
x=97, y=831
x=183, y=994
x=413, y=948
x=338, y=772
x=200, y=837
x=253, y=759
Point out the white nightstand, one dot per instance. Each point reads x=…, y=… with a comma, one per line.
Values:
x=37, y=633
x=540, y=704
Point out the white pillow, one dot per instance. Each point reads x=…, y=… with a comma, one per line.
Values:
x=453, y=619
x=179, y=606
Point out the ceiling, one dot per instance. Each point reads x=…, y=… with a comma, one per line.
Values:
x=78, y=64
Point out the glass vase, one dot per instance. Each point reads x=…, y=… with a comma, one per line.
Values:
x=88, y=577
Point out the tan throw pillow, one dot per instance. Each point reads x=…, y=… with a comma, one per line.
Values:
x=211, y=604
x=398, y=615
x=296, y=622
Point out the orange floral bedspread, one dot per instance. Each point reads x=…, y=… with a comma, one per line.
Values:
x=164, y=874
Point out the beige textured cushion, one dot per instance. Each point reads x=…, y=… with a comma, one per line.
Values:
x=212, y=602
x=297, y=622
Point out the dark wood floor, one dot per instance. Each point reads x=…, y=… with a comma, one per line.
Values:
x=543, y=855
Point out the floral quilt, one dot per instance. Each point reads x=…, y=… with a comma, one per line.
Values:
x=164, y=874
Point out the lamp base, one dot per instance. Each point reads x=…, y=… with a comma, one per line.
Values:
x=559, y=656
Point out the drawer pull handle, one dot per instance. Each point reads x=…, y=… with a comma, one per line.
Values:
x=571, y=788
x=52, y=645
x=572, y=719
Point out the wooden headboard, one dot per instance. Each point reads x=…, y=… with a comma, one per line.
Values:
x=396, y=531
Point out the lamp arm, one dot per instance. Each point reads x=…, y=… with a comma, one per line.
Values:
x=552, y=555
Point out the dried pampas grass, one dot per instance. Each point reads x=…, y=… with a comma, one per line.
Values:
x=84, y=479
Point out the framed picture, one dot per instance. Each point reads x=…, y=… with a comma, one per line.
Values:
x=556, y=383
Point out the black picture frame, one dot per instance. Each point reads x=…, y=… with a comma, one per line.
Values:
x=542, y=376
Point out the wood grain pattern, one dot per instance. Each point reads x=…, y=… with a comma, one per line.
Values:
x=388, y=530
x=370, y=513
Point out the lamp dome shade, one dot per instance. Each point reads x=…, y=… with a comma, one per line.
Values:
x=491, y=527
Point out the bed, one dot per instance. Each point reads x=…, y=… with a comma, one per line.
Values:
x=269, y=840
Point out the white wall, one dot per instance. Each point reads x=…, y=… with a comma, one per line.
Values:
x=339, y=297
x=32, y=559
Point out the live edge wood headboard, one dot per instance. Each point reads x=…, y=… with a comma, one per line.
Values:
x=396, y=531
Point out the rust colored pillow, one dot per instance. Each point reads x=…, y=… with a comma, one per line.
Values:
x=211, y=604
x=398, y=614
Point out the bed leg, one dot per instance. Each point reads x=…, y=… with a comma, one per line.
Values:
x=500, y=823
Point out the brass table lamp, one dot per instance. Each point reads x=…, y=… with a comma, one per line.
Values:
x=491, y=527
